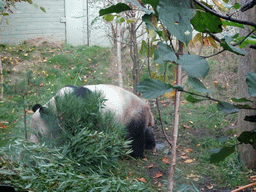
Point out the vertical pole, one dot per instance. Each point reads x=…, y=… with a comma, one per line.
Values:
x=88, y=32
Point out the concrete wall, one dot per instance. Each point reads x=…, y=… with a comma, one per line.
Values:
x=27, y=22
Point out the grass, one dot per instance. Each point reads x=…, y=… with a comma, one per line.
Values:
x=34, y=74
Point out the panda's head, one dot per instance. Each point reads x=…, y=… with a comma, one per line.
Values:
x=44, y=116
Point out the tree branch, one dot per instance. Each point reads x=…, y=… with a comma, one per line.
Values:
x=229, y=18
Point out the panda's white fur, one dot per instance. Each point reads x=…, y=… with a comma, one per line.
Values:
x=129, y=110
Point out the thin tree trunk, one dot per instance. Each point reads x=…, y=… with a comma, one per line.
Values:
x=2, y=79
x=246, y=153
x=118, y=54
x=135, y=57
x=87, y=23
x=176, y=123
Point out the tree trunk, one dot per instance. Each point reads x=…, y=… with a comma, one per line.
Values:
x=2, y=80
x=246, y=153
x=118, y=55
x=135, y=57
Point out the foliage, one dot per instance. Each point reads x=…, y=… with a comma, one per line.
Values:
x=38, y=167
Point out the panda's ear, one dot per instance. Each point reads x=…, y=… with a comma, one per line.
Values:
x=44, y=111
x=36, y=106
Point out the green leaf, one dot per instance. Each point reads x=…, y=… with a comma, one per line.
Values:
x=194, y=65
x=249, y=40
x=192, y=99
x=231, y=23
x=7, y=21
x=243, y=106
x=148, y=20
x=118, y=8
x=164, y=53
x=120, y=20
x=137, y=4
x=30, y=1
x=206, y=22
x=143, y=48
x=198, y=85
x=152, y=88
x=153, y=3
x=43, y=9
x=176, y=15
x=227, y=107
x=225, y=44
x=220, y=154
x=237, y=6
x=238, y=100
x=251, y=82
x=251, y=118
x=109, y=17
x=248, y=137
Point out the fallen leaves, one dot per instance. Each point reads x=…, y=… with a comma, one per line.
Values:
x=194, y=177
x=165, y=160
x=185, y=157
x=2, y=124
x=150, y=166
x=158, y=174
x=142, y=179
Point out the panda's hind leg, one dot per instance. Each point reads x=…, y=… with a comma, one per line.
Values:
x=150, y=142
x=136, y=132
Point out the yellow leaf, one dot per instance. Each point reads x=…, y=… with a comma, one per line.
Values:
x=142, y=179
x=213, y=42
x=151, y=33
x=189, y=161
x=198, y=37
x=158, y=174
x=150, y=166
x=170, y=95
x=187, y=150
x=220, y=6
x=29, y=111
x=166, y=160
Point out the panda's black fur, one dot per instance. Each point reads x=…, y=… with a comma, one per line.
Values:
x=137, y=125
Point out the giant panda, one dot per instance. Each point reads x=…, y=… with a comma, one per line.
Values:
x=129, y=110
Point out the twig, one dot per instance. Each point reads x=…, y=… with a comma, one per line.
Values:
x=161, y=122
x=213, y=54
x=244, y=187
x=157, y=105
x=245, y=38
